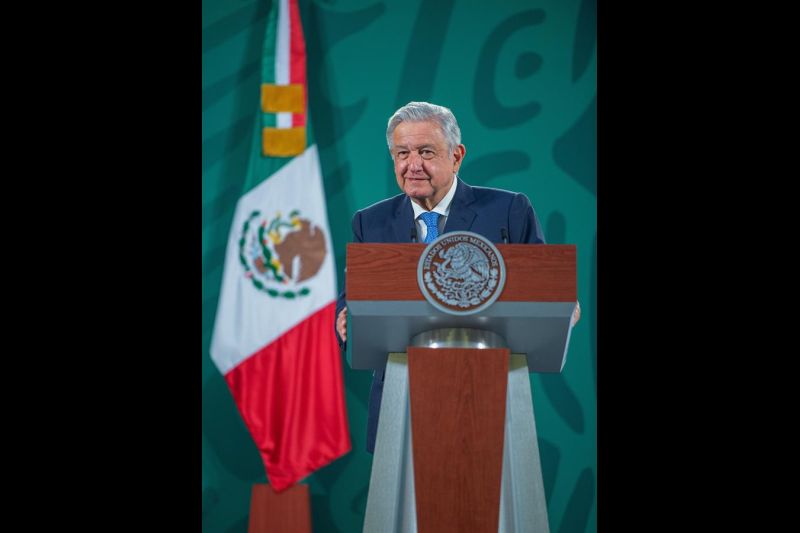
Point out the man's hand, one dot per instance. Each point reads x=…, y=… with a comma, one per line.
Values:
x=576, y=314
x=341, y=324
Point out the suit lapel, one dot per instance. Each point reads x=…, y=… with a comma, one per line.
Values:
x=461, y=216
x=403, y=221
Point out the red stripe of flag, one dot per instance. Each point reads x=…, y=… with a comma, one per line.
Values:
x=297, y=58
x=284, y=394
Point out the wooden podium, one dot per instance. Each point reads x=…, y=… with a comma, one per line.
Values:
x=456, y=448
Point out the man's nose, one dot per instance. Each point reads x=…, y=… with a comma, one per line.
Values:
x=414, y=160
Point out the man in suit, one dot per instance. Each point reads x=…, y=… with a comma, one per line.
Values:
x=425, y=144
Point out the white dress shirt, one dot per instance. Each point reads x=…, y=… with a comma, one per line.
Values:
x=443, y=208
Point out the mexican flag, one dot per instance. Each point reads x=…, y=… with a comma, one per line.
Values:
x=273, y=337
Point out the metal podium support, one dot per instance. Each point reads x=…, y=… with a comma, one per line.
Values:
x=391, y=502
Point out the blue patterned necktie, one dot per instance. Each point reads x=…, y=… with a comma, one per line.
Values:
x=431, y=220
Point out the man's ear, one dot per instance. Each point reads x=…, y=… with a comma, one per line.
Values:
x=458, y=157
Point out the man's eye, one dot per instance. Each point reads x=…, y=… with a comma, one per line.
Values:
x=427, y=154
x=402, y=155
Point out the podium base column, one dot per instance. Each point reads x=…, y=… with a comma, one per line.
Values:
x=391, y=505
x=523, y=506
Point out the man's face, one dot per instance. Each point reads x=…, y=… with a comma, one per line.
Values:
x=423, y=166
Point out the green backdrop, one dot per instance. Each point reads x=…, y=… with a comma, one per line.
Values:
x=520, y=77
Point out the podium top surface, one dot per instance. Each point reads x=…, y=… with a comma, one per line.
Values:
x=535, y=272
x=386, y=307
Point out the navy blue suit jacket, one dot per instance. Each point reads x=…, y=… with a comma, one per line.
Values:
x=481, y=210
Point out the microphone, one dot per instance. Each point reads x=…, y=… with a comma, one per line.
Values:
x=504, y=235
x=414, y=232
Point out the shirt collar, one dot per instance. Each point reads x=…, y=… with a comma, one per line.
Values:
x=443, y=207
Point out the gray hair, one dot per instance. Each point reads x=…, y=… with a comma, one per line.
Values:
x=421, y=112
